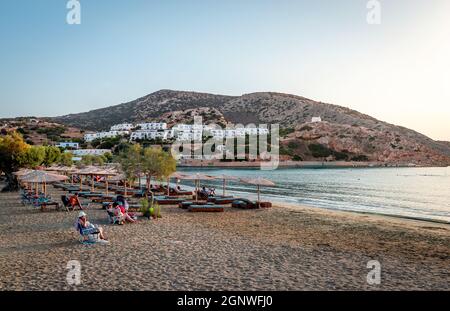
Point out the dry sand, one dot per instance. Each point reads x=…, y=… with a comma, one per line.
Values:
x=282, y=248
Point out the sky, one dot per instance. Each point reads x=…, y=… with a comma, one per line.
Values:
x=397, y=71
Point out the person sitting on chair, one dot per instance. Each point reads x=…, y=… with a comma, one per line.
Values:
x=85, y=227
x=212, y=191
x=119, y=210
x=74, y=201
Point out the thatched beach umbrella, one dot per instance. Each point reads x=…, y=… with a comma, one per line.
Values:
x=175, y=175
x=197, y=177
x=22, y=172
x=224, y=179
x=41, y=177
x=94, y=171
x=258, y=181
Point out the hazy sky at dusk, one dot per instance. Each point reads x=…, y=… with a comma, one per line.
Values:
x=398, y=71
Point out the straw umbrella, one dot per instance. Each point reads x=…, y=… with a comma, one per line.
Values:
x=258, y=181
x=93, y=171
x=224, y=179
x=21, y=173
x=175, y=175
x=196, y=178
x=41, y=177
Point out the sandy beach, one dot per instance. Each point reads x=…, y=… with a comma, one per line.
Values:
x=283, y=248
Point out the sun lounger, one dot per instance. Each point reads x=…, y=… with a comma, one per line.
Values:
x=170, y=201
x=187, y=204
x=208, y=208
x=222, y=200
x=247, y=204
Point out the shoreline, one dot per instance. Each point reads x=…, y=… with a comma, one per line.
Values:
x=407, y=220
x=293, y=164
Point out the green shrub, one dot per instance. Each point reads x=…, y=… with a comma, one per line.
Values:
x=320, y=151
x=360, y=158
x=297, y=158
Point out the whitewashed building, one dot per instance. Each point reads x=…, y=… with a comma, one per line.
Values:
x=152, y=126
x=122, y=127
x=152, y=135
x=316, y=119
x=111, y=134
x=68, y=145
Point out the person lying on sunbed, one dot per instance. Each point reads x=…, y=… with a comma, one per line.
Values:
x=85, y=227
x=119, y=210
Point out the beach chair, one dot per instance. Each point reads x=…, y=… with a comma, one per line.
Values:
x=89, y=235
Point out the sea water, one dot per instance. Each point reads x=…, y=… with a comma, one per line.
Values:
x=421, y=193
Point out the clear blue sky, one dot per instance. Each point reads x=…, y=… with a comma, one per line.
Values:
x=398, y=71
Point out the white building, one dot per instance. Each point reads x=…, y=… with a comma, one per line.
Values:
x=111, y=134
x=316, y=119
x=122, y=127
x=152, y=126
x=83, y=152
x=152, y=135
x=68, y=145
x=189, y=135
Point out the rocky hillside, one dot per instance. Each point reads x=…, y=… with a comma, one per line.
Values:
x=331, y=142
x=37, y=131
x=381, y=141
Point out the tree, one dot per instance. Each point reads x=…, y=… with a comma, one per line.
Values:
x=12, y=151
x=130, y=161
x=52, y=155
x=157, y=163
x=66, y=159
x=33, y=157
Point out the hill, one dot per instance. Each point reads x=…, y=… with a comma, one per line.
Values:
x=342, y=129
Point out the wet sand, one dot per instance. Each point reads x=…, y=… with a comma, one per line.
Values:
x=283, y=248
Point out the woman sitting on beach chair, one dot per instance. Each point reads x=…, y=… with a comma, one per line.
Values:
x=88, y=231
x=120, y=215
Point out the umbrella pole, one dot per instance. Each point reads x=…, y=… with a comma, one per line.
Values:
x=224, y=186
x=196, y=191
x=258, y=196
x=168, y=186
x=81, y=182
x=107, y=185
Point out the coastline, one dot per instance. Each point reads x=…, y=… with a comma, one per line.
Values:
x=283, y=248
x=293, y=164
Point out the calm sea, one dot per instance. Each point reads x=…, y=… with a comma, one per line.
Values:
x=422, y=193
